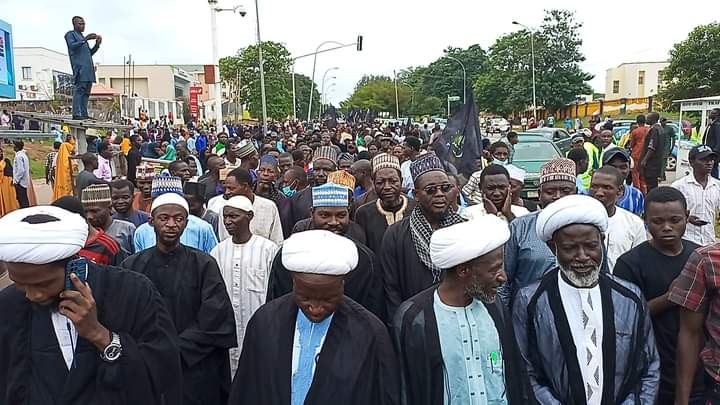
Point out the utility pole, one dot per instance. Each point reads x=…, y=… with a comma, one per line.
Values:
x=397, y=101
x=237, y=94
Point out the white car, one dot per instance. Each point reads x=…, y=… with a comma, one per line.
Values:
x=499, y=125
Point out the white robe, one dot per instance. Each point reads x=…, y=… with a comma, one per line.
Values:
x=246, y=270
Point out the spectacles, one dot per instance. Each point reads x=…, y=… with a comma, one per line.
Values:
x=433, y=189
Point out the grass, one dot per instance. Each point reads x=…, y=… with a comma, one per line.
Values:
x=37, y=152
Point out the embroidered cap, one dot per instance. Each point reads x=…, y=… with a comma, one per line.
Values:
x=166, y=184
x=96, y=193
x=145, y=171
x=385, y=161
x=428, y=162
x=330, y=195
x=245, y=150
x=325, y=152
x=558, y=169
x=343, y=178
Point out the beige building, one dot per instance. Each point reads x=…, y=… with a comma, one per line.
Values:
x=164, y=82
x=634, y=79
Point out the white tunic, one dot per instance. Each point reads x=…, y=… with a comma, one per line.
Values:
x=625, y=231
x=245, y=268
x=265, y=222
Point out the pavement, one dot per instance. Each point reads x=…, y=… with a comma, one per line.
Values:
x=43, y=192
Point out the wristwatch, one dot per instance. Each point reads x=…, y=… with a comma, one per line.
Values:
x=113, y=351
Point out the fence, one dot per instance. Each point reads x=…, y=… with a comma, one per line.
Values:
x=606, y=107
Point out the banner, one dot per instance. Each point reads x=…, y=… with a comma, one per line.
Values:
x=195, y=91
x=4, y=74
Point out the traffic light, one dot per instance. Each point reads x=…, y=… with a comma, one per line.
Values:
x=359, y=43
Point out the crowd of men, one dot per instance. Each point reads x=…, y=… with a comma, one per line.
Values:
x=352, y=265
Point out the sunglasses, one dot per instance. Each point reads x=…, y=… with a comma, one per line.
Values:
x=433, y=189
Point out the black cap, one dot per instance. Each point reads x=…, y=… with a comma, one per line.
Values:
x=612, y=153
x=193, y=188
x=701, y=152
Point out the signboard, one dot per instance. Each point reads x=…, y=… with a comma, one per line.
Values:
x=453, y=98
x=7, y=74
x=195, y=91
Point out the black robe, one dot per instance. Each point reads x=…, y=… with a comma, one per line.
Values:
x=404, y=275
x=32, y=368
x=192, y=287
x=373, y=223
x=415, y=333
x=356, y=366
x=300, y=205
x=354, y=231
x=363, y=284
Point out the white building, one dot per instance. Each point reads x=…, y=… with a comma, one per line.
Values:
x=41, y=73
x=634, y=80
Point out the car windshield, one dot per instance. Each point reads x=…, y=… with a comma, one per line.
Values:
x=534, y=151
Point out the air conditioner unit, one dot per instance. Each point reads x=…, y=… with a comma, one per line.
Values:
x=33, y=88
x=22, y=87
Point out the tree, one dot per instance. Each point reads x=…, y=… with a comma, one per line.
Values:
x=444, y=77
x=378, y=93
x=302, y=95
x=277, y=63
x=506, y=85
x=693, y=71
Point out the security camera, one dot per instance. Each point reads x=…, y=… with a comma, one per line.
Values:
x=240, y=10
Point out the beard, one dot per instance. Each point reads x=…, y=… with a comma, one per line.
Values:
x=582, y=280
x=476, y=291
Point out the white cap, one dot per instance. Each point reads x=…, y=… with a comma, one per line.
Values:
x=319, y=252
x=169, y=198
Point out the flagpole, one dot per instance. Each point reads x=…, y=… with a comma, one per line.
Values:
x=397, y=102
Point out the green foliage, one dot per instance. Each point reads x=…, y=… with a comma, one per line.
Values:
x=506, y=85
x=278, y=90
x=693, y=71
x=302, y=95
x=378, y=93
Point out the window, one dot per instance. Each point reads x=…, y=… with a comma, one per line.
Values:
x=641, y=78
x=660, y=78
x=616, y=86
x=26, y=73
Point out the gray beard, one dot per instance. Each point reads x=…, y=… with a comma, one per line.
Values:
x=579, y=280
x=476, y=292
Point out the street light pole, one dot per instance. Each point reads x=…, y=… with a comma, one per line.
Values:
x=532, y=59
x=216, y=86
x=397, y=101
x=464, y=76
x=293, y=90
x=262, y=72
x=324, y=98
x=323, y=90
x=312, y=79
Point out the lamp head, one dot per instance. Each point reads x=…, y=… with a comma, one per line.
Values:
x=240, y=10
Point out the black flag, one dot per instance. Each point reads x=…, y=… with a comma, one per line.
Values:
x=330, y=117
x=460, y=142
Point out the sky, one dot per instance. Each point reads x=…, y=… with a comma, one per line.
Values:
x=397, y=33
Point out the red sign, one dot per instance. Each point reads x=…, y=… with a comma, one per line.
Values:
x=194, y=108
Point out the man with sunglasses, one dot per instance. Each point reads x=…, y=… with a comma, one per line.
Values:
x=404, y=255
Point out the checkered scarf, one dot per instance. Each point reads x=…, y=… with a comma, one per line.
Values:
x=420, y=232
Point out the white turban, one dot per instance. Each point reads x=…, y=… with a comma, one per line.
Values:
x=170, y=198
x=319, y=252
x=41, y=243
x=463, y=242
x=240, y=202
x=573, y=209
x=516, y=173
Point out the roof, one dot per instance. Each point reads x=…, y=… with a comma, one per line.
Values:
x=99, y=89
x=191, y=68
x=643, y=63
x=15, y=48
x=712, y=98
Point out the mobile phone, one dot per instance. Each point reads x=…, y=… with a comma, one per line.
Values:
x=79, y=266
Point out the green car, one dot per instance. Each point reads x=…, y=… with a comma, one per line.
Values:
x=531, y=153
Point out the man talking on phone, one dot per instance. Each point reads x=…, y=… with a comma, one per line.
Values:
x=74, y=332
x=702, y=192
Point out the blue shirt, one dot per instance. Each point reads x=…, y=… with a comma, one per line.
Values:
x=308, y=342
x=527, y=258
x=407, y=180
x=137, y=217
x=471, y=352
x=198, y=234
x=581, y=189
x=632, y=200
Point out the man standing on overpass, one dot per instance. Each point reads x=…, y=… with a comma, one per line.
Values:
x=82, y=65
